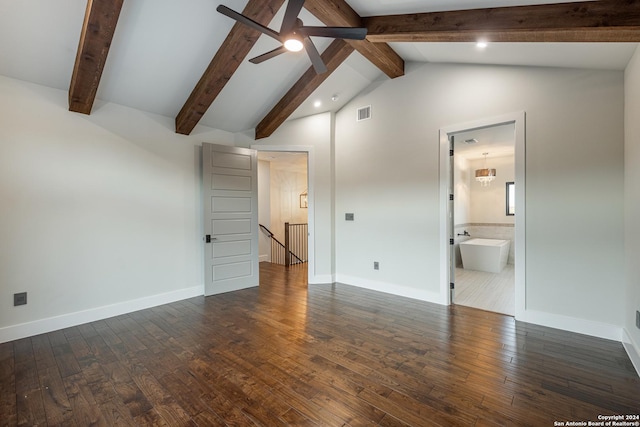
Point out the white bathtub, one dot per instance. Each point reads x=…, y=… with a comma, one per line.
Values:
x=484, y=254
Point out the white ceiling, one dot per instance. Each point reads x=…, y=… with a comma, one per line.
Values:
x=496, y=141
x=162, y=47
x=285, y=160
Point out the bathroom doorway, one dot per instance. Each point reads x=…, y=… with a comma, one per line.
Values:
x=483, y=172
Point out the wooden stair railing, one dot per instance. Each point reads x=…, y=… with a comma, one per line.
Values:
x=279, y=250
x=295, y=240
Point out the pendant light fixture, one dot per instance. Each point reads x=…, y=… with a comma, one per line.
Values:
x=484, y=176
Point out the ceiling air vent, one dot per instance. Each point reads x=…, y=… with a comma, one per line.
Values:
x=364, y=113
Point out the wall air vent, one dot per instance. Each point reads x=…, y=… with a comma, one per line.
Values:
x=364, y=113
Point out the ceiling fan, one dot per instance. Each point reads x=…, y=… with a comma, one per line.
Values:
x=294, y=35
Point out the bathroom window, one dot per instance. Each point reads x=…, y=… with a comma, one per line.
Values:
x=511, y=198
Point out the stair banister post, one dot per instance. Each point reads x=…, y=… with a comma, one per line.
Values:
x=287, y=257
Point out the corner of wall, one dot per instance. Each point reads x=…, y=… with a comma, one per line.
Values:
x=393, y=289
x=631, y=338
x=244, y=139
x=632, y=349
x=332, y=162
x=573, y=324
x=322, y=279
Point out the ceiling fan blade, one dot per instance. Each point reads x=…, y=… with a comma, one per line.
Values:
x=291, y=16
x=350, y=33
x=314, y=56
x=272, y=53
x=247, y=21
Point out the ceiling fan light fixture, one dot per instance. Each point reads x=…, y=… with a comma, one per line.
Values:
x=293, y=44
x=294, y=36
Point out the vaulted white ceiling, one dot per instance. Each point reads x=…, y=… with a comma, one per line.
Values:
x=161, y=48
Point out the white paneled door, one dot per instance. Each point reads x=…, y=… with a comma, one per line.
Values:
x=230, y=182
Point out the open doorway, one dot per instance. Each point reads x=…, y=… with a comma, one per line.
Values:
x=484, y=218
x=283, y=206
x=482, y=183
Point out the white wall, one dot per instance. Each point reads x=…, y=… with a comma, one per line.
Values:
x=475, y=203
x=286, y=187
x=264, y=208
x=462, y=190
x=488, y=217
x=314, y=132
x=99, y=214
x=387, y=173
x=462, y=204
x=632, y=201
x=488, y=203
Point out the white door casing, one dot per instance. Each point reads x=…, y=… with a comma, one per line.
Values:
x=519, y=120
x=311, y=245
x=230, y=191
x=451, y=222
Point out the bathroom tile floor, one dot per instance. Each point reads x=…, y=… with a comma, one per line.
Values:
x=487, y=291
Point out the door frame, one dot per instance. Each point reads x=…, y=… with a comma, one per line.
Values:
x=519, y=120
x=311, y=263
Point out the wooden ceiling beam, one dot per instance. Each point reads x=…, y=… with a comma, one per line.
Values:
x=338, y=13
x=224, y=64
x=100, y=20
x=337, y=52
x=588, y=21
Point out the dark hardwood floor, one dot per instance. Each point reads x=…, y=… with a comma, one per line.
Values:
x=332, y=355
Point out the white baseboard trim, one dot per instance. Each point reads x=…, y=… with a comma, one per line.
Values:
x=573, y=324
x=264, y=258
x=557, y=321
x=41, y=326
x=322, y=279
x=390, y=288
x=633, y=350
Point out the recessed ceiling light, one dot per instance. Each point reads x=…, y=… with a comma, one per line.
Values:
x=317, y=104
x=482, y=45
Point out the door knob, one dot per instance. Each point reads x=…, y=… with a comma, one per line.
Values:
x=208, y=238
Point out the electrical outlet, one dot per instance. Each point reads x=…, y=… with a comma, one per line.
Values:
x=637, y=319
x=349, y=217
x=20, y=298
x=376, y=265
